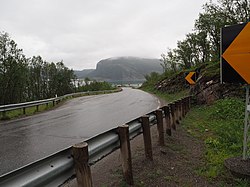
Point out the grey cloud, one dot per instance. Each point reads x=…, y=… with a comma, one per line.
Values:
x=82, y=32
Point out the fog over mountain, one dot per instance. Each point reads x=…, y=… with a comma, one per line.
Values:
x=122, y=69
x=84, y=73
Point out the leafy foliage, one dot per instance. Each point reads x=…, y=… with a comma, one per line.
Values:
x=24, y=79
x=151, y=80
x=203, y=44
x=95, y=86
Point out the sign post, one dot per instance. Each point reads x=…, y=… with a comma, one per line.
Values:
x=235, y=66
x=246, y=126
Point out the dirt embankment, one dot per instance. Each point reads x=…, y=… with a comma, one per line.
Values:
x=208, y=87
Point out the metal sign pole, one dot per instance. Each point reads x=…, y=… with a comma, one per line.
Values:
x=246, y=125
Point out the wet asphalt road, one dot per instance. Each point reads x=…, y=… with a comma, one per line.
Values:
x=28, y=139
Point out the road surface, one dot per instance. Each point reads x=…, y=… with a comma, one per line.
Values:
x=31, y=138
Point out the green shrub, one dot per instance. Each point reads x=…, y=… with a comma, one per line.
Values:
x=96, y=86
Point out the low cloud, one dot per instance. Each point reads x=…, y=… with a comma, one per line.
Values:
x=83, y=32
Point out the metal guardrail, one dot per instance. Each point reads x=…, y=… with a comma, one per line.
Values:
x=26, y=104
x=9, y=107
x=57, y=168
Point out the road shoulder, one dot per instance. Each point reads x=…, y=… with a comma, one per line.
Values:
x=174, y=164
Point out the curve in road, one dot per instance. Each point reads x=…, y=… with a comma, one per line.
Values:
x=28, y=139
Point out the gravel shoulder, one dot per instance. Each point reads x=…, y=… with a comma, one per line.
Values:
x=174, y=164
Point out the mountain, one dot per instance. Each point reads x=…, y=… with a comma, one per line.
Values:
x=84, y=73
x=125, y=69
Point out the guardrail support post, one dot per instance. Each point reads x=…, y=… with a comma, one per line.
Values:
x=167, y=119
x=82, y=168
x=24, y=111
x=159, y=118
x=186, y=105
x=189, y=102
x=37, y=108
x=182, y=108
x=147, y=137
x=172, y=114
x=126, y=154
x=176, y=112
x=179, y=108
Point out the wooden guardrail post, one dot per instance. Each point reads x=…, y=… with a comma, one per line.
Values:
x=147, y=137
x=185, y=105
x=182, y=108
x=176, y=112
x=123, y=132
x=172, y=114
x=168, y=120
x=82, y=168
x=159, y=118
x=37, y=108
x=24, y=111
x=189, y=102
x=179, y=109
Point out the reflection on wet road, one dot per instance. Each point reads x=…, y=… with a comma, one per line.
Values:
x=28, y=139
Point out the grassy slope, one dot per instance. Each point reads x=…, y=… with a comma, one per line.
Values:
x=166, y=96
x=220, y=126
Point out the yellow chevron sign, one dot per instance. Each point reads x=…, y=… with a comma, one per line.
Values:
x=236, y=54
x=190, y=78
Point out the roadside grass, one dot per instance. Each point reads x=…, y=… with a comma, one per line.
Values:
x=167, y=97
x=220, y=126
x=28, y=111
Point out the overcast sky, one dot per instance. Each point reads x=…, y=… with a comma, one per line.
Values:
x=82, y=32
